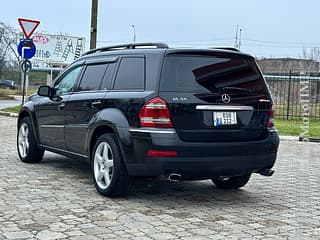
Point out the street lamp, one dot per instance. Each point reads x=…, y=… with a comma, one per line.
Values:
x=134, y=34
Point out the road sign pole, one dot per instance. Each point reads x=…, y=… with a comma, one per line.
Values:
x=21, y=77
x=24, y=85
x=24, y=78
x=26, y=49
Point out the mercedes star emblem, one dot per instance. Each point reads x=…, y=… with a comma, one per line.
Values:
x=225, y=98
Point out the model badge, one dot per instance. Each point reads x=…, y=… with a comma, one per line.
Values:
x=225, y=98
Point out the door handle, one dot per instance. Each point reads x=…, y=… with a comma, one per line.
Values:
x=95, y=103
x=61, y=106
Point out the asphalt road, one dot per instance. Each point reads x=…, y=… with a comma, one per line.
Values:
x=10, y=103
x=56, y=199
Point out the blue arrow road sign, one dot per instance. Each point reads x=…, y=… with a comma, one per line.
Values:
x=28, y=48
x=26, y=66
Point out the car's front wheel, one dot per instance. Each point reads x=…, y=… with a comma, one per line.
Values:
x=232, y=182
x=28, y=149
x=108, y=169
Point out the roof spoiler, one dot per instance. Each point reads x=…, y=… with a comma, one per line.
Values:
x=228, y=48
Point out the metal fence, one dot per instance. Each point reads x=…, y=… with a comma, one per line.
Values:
x=286, y=91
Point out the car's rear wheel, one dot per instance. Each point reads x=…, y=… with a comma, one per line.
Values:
x=232, y=182
x=108, y=169
x=27, y=146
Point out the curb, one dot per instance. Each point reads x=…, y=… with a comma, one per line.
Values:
x=299, y=139
x=310, y=139
x=289, y=138
x=8, y=114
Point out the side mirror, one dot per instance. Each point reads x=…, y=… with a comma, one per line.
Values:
x=44, y=91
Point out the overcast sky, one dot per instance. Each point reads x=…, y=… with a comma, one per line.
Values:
x=269, y=27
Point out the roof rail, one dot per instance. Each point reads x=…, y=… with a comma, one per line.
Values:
x=127, y=46
x=228, y=48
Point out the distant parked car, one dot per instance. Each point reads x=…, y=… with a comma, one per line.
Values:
x=8, y=84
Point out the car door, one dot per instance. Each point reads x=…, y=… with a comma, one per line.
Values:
x=51, y=111
x=85, y=102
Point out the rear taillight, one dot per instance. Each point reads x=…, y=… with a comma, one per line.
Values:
x=155, y=113
x=271, y=117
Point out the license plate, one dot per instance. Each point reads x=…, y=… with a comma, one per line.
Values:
x=224, y=118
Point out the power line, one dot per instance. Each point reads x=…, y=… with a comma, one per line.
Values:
x=244, y=42
x=169, y=41
x=281, y=43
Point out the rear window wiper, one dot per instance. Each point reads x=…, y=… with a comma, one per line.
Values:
x=239, y=89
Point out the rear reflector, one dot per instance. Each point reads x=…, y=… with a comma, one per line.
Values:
x=161, y=153
x=155, y=113
x=271, y=118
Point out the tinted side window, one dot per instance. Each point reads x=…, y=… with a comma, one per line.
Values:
x=92, y=77
x=130, y=74
x=107, y=77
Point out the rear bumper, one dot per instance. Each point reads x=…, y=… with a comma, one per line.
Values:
x=200, y=160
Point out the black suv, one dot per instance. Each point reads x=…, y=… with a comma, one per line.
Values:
x=147, y=110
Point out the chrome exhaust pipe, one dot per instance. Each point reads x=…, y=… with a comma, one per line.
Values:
x=174, y=177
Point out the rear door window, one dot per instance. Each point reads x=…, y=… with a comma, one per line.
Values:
x=130, y=74
x=92, y=77
x=107, y=78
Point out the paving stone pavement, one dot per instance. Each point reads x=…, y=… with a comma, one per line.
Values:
x=56, y=199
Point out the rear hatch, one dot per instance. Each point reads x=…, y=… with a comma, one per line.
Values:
x=215, y=96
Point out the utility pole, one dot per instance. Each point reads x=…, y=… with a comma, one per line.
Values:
x=237, y=42
x=93, y=29
x=236, y=37
x=134, y=34
x=239, y=45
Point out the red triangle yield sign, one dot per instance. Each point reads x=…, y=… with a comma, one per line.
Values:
x=28, y=26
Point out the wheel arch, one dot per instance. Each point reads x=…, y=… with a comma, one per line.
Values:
x=110, y=121
x=98, y=131
x=25, y=112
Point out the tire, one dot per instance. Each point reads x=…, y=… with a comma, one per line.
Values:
x=27, y=146
x=232, y=182
x=108, y=170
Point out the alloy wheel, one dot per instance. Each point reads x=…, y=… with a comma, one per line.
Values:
x=23, y=140
x=103, y=165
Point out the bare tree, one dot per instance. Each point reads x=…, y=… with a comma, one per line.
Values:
x=312, y=54
x=9, y=37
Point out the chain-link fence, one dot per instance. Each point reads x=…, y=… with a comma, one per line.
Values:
x=291, y=92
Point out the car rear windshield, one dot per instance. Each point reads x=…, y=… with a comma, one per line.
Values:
x=189, y=73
